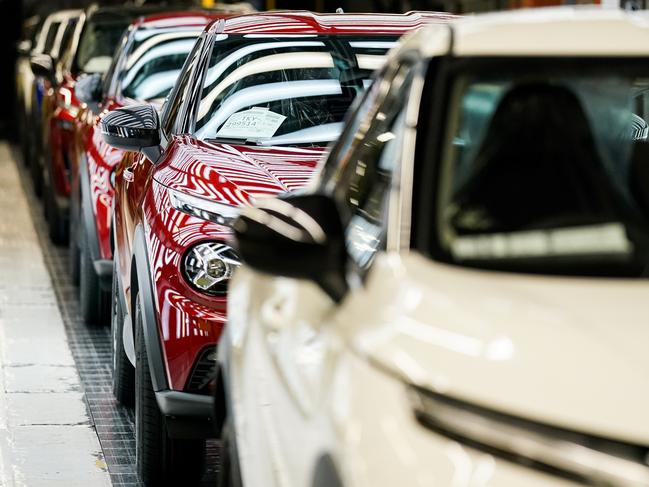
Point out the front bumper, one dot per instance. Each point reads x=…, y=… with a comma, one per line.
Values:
x=187, y=415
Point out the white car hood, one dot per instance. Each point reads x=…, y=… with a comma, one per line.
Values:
x=570, y=352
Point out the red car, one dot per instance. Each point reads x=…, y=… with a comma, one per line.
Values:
x=253, y=111
x=149, y=58
x=89, y=49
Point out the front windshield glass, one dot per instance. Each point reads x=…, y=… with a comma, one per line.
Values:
x=98, y=42
x=547, y=173
x=154, y=61
x=285, y=90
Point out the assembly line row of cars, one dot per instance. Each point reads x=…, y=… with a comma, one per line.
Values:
x=425, y=271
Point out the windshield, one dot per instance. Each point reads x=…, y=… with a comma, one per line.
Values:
x=98, y=43
x=285, y=90
x=547, y=173
x=154, y=61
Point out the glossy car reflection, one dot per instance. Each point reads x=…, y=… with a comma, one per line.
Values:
x=145, y=67
x=87, y=50
x=458, y=300
x=55, y=34
x=257, y=103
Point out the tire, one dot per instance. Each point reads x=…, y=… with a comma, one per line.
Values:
x=56, y=224
x=229, y=474
x=123, y=370
x=74, y=251
x=94, y=301
x=160, y=460
x=35, y=163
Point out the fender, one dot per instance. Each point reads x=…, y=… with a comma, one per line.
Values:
x=103, y=267
x=187, y=415
x=149, y=321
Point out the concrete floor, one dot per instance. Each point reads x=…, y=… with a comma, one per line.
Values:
x=46, y=435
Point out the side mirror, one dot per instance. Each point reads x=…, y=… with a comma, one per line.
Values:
x=88, y=89
x=133, y=129
x=299, y=236
x=43, y=66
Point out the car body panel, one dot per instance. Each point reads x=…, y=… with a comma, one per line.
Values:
x=488, y=343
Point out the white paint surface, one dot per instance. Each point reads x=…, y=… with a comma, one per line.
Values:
x=46, y=436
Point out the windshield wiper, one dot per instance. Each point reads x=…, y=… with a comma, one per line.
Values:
x=234, y=141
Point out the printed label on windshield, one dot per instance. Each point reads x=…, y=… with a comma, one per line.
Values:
x=254, y=123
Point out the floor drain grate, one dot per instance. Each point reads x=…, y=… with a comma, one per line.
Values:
x=91, y=350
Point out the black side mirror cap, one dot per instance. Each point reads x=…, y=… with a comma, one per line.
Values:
x=299, y=236
x=88, y=88
x=43, y=66
x=134, y=128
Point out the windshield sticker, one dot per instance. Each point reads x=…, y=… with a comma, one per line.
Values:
x=255, y=123
x=587, y=240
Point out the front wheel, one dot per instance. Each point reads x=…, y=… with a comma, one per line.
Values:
x=160, y=460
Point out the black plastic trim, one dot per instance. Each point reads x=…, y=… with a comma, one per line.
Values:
x=149, y=322
x=186, y=415
x=88, y=223
x=177, y=403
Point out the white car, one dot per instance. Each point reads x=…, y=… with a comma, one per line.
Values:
x=461, y=299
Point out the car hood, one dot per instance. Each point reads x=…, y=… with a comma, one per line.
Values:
x=236, y=174
x=570, y=352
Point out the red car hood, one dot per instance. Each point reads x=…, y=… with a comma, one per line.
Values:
x=235, y=174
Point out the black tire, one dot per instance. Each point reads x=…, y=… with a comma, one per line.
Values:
x=56, y=224
x=123, y=370
x=35, y=149
x=160, y=460
x=74, y=251
x=229, y=474
x=94, y=301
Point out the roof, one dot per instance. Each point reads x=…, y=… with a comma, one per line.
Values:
x=63, y=15
x=303, y=22
x=559, y=31
x=186, y=18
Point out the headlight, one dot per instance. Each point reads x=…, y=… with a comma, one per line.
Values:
x=208, y=266
x=202, y=208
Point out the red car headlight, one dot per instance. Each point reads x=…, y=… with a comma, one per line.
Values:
x=208, y=266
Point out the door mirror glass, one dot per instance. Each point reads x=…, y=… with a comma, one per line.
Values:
x=133, y=129
x=88, y=89
x=43, y=66
x=298, y=236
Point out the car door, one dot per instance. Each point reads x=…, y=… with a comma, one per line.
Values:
x=294, y=347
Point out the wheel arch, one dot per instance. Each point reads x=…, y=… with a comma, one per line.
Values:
x=142, y=286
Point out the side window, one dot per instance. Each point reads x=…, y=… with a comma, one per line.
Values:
x=366, y=166
x=51, y=37
x=117, y=66
x=176, y=98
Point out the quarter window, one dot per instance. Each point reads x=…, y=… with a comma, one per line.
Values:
x=367, y=159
